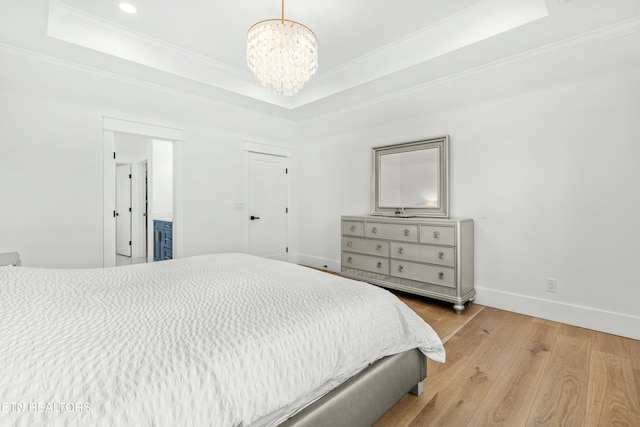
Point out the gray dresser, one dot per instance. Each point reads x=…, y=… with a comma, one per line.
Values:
x=423, y=256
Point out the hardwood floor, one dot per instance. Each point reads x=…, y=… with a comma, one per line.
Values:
x=507, y=369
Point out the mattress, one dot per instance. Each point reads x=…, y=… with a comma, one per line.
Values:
x=224, y=340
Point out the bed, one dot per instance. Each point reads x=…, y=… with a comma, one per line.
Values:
x=221, y=340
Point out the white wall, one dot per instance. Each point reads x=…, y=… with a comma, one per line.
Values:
x=544, y=157
x=162, y=166
x=132, y=148
x=51, y=160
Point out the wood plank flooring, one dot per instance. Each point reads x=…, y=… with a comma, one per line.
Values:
x=507, y=369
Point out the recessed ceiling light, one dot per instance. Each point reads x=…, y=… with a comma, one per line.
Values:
x=128, y=8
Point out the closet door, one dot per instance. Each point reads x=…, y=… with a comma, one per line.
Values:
x=123, y=210
x=267, y=210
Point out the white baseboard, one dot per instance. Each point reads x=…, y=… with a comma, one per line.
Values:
x=610, y=322
x=586, y=317
x=321, y=263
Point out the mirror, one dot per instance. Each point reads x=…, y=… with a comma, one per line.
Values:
x=411, y=179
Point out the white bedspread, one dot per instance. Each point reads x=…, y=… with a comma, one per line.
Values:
x=220, y=340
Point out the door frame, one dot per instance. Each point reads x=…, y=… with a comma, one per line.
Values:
x=110, y=126
x=260, y=148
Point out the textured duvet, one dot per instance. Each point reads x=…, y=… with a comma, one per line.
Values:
x=216, y=340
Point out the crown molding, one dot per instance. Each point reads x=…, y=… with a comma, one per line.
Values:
x=423, y=37
x=581, y=41
x=81, y=28
x=94, y=23
x=479, y=22
x=330, y=108
x=10, y=51
x=483, y=20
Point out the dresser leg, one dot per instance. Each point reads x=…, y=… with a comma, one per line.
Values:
x=458, y=307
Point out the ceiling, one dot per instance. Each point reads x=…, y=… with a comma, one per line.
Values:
x=368, y=49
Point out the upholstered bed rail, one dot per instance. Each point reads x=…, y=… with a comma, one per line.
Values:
x=363, y=399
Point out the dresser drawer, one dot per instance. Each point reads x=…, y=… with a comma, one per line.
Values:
x=168, y=241
x=166, y=225
x=365, y=246
x=366, y=262
x=438, y=235
x=403, y=232
x=424, y=253
x=353, y=228
x=444, y=276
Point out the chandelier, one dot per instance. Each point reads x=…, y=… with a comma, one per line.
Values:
x=283, y=54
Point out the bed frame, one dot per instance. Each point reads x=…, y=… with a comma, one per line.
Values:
x=364, y=398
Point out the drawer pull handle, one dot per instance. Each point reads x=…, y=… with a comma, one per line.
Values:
x=349, y=243
x=436, y=234
x=400, y=268
x=349, y=259
x=379, y=264
x=440, y=255
x=379, y=247
x=353, y=228
x=441, y=275
x=374, y=230
x=406, y=231
x=401, y=250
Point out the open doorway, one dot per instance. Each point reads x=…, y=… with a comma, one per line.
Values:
x=162, y=200
x=144, y=199
x=142, y=172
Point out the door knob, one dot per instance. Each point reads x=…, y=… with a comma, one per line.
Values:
x=253, y=218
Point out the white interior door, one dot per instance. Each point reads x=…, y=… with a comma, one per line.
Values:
x=267, y=206
x=123, y=210
x=139, y=210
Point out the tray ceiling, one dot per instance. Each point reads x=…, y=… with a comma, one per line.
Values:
x=367, y=48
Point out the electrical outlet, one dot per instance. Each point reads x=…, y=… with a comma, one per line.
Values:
x=551, y=285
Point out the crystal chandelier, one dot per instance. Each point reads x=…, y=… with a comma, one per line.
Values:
x=282, y=54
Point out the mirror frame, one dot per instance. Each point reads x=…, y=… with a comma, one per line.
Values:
x=442, y=210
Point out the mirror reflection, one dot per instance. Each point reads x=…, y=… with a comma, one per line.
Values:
x=409, y=180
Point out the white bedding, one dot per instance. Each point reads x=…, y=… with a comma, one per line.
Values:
x=221, y=340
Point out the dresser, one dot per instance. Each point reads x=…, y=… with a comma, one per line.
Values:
x=162, y=240
x=422, y=256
